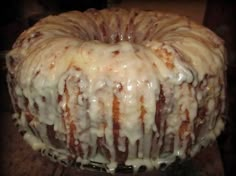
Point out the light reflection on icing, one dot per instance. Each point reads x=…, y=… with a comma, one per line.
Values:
x=65, y=77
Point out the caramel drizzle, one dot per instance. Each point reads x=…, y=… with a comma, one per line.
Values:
x=69, y=125
x=120, y=157
x=183, y=129
x=66, y=119
x=159, y=106
x=142, y=114
x=116, y=125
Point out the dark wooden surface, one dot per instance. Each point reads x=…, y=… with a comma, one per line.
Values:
x=18, y=159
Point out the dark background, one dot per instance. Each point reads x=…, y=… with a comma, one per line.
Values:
x=220, y=16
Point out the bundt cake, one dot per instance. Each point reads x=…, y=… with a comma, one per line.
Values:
x=116, y=88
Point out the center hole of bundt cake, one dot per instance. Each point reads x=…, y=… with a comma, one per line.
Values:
x=112, y=36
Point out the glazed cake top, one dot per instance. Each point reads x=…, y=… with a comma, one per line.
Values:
x=96, y=59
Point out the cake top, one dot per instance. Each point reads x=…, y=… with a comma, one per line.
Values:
x=57, y=42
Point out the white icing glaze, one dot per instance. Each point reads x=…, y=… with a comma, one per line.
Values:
x=34, y=142
x=117, y=82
